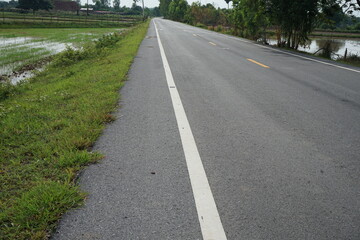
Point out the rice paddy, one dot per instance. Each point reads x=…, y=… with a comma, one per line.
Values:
x=19, y=47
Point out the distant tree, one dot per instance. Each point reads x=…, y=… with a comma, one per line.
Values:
x=164, y=7
x=11, y=4
x=194, y=13
x=116, y=4
x=101, y=4
x=155, y=12
x=210, y=15
x=228, y=2
x=349, y=6
x=135, y=9
x=35, y=4
x=177, y=10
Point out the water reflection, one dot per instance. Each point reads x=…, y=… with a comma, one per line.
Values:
x=335, y=45
x=338, y=45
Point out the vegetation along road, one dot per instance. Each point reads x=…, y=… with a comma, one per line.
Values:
x=222, y=138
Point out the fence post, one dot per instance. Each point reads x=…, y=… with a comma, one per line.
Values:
x=345, y=54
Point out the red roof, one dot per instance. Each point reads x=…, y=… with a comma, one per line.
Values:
x=66, y=6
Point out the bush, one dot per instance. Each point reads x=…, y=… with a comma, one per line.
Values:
x=218, y=28
x=70, y=55
x=200, y=25
x=356, y=27
x=108, y=40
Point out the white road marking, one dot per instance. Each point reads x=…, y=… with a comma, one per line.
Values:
x=194, y=35
x=210, y=222
x=212, y=43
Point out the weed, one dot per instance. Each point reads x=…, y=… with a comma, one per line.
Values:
x=40, y=207
x=6, y=88
x=70, y=56
x=353, y=59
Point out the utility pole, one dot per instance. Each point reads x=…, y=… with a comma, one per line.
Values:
x=142, y=1
x=87, y=8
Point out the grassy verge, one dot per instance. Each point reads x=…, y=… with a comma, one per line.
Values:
x=48, y=127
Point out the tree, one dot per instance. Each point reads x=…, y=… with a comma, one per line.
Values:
x=250, y=18
x=101, y=4
x=295, y=20
x=35, y=4
x=164, y=7
x=228, y=2
x=116, y=4
x=349, y=6
x=177, y=10
x=155, y=12
x=10, y=4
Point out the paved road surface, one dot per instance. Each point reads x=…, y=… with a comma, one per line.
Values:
x=278, y=135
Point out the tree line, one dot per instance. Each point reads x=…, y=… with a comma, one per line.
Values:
x=105, y=5
x=292, y=20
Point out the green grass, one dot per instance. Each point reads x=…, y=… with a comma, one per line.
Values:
x=61, y=24
x=48, y=127
x=62, y=19
x=69, y=15
x=68, y=35
x=22, y=55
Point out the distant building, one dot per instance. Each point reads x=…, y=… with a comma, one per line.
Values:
x=85, y=9
x=66, y=6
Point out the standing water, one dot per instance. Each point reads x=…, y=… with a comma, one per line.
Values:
x=338, y=45
x=17, y=51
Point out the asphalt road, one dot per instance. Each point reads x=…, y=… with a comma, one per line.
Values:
x=278, y=134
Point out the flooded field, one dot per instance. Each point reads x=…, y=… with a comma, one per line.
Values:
x=17, y=51
x=19, y=47
x=338, y=45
